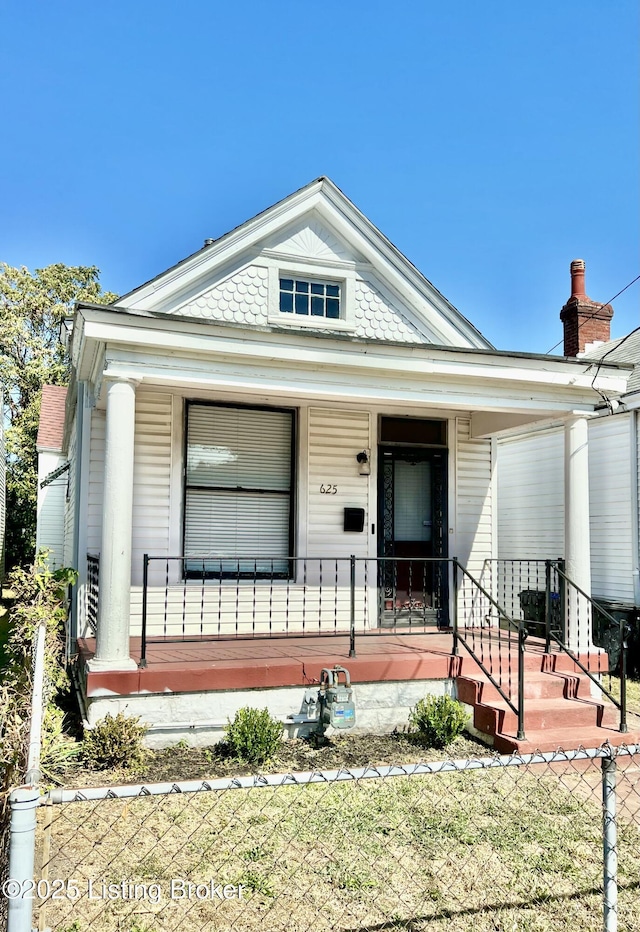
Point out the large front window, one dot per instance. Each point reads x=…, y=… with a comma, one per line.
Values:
x=238, y=490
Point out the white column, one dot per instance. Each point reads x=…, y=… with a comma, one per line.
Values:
x=112, y=650
x=576, y=531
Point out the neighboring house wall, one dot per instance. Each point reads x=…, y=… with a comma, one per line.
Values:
x=531, y=501
x=610, y=508
x=51, y=509
x=69, y=524
x=531, y=496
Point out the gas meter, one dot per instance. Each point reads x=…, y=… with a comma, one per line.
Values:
x=335, y=699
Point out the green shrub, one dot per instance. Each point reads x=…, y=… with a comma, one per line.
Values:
x=253, y=735
x=438, y=720
x=114, y=742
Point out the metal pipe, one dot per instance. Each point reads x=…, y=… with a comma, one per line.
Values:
x=33, y=775
x=23, y=803
x=521, y=639
x=455, y=649
x=623, y=674
x=547, y=606
x=352, y=622
x=145, y=583
x=610, y=844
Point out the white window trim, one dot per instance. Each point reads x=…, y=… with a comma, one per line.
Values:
x=346, y=279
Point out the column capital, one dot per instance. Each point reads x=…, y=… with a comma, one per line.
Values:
x=111, y=379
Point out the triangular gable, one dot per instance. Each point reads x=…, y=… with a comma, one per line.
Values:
x=314, y=234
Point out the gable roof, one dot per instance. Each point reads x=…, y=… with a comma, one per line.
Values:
x=51, y=424
x=324, y=199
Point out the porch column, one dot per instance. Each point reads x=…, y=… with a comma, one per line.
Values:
x=576, y=531
x=112, y=649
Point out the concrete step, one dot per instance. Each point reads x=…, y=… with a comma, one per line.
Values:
x=473, y=689
x=566, y=738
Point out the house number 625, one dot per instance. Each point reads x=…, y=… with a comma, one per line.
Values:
x=328, y=489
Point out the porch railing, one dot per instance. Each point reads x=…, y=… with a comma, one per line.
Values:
x=494, y=640
x=92, y=591
x=198, y=597
x=553, y=607
x=581, y=610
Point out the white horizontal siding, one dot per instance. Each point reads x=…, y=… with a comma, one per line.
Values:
x=96, y=481
x=218, y=608
x=473, y=499
x=70, y=496
x=51, y=509
x=151, y=478
x=531, y=502
x=610, y=508
x=531, y=496
x=334, y=439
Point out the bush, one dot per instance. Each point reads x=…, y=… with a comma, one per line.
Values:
x=114, y=742
x=438, y=720
x=253, y=735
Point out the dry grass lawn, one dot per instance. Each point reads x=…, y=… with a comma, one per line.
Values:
x=488, y=850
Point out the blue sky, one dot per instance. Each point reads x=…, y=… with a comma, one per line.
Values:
x=492, y=142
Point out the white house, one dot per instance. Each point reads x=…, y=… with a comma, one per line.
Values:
x=300, y=433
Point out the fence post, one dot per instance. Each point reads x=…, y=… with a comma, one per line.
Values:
x=352, y=621
x=23, y=803
x=610, y=844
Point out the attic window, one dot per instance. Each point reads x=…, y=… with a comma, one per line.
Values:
x=309, y=298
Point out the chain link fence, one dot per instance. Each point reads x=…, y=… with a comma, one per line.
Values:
x=542, y=841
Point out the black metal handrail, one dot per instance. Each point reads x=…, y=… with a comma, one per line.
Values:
x=474, y=634
x=621, y=704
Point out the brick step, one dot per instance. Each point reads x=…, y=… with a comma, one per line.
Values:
x=474, y=689
x=539, y=714
x=499, y=659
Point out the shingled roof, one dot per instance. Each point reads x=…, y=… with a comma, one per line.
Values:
x=51, y=426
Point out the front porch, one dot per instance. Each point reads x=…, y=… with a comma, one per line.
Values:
x=189, y=689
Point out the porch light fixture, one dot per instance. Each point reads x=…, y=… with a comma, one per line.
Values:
x=363, y=463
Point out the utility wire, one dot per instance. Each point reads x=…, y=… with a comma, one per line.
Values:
x=600, y=306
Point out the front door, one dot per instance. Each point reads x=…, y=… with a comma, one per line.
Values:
x=413, y=582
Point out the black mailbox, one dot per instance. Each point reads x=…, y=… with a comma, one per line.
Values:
x=354, y=519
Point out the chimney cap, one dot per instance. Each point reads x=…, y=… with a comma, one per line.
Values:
x=577, y=279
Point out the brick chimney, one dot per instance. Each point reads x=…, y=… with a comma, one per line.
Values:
x=585, y=321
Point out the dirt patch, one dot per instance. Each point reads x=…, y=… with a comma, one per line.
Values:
x=344, y=751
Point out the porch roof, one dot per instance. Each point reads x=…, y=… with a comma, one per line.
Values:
x=169, y=350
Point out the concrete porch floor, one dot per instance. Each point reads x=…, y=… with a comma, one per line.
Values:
x=216, y=664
